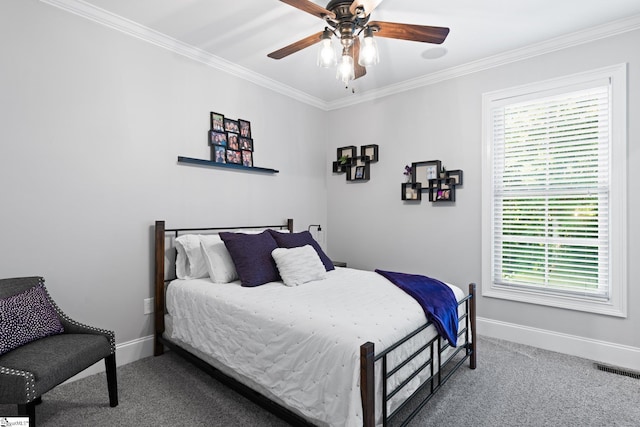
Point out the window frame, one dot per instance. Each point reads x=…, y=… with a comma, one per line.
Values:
x=616, y=305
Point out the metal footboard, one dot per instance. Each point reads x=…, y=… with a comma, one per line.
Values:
x=434, y=364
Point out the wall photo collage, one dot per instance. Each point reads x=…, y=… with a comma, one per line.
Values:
x=230, y=140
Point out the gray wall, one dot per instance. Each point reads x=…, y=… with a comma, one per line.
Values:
x=92, y=124
x=370, y=227
x=92, y=121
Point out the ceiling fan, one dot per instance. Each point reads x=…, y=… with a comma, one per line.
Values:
x=346, y=20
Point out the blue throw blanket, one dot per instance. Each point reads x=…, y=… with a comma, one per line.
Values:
x=437, y=300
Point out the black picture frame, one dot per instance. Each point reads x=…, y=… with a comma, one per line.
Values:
x=217, y=121
x=233, y=141
x=231, y=126
x=456, y=176
x=246, y=143
x=219, y=154
x=245, y=128
x=359, y=174
x=234, y=156
x=247, y=158
x=217, y=138
x=422, y=172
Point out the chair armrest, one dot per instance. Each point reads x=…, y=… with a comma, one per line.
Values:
x=74, y=327
x=16, y=386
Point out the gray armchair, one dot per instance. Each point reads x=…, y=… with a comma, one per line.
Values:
x=29, y=371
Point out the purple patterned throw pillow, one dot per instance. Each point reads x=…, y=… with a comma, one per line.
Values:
x=26, y=317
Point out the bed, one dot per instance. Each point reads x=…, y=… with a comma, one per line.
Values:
x=349, y=348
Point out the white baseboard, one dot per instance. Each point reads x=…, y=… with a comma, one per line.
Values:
x=126, y=353
x=600, y=351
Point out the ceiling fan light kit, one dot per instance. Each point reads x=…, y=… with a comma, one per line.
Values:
x=368, y=49
x=345, y=71
x=327, y=54
x=348, y=20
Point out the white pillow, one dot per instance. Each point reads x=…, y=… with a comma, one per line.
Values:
x=190, y=262
x=217, y=259
x=181, y=261
x=299, y=265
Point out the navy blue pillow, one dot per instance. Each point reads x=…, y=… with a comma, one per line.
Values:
x=251, y=254
x=296, y=240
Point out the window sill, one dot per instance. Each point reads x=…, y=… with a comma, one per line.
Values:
x=591, y=305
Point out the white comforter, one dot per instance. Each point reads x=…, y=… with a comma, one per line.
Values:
x=301, y=343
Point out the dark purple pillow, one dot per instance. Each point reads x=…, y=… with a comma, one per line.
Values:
x=26, y=317
x=296, y=240
x=251, y=254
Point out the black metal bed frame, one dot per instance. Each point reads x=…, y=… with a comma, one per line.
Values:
x=368, y=358
x=435, y=379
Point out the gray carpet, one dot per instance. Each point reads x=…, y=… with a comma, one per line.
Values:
x=514, y=385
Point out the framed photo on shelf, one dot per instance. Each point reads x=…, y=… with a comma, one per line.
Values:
x=217, y=138
x=247, y=158
x=455, y=176
x=233, y=156
x=359, y=172
x=442, y=195
x=231, y=126
x=246, y=143
x=217, y=121
x=220, y=154
x=245, y=128
x=422, y=172
x=234, y=141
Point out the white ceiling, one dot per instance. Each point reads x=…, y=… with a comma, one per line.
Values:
x=244, y=32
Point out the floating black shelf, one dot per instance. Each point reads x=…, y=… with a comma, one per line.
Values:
x=356, y=167
x=201, y=162
x=440, y=190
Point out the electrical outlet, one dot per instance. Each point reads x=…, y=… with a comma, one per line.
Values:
x=148, y=305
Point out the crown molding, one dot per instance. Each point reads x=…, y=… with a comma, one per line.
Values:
x=563, y=42
x=116, y=22
x=134, y=29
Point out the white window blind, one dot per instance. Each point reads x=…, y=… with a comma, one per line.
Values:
x=554, y=192
x=551, y=193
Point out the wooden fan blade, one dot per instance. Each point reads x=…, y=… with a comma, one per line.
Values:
x=367, y=5
x=310, y=7
x=358, y=70
x=418, y=33
x=294, y=47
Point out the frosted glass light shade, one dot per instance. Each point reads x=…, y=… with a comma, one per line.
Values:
x=326, y=54
x=368, y=52
x=345, y=71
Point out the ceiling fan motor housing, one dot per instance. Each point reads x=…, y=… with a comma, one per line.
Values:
x=345, y=22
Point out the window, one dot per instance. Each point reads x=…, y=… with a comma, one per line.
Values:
x=554, y=186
